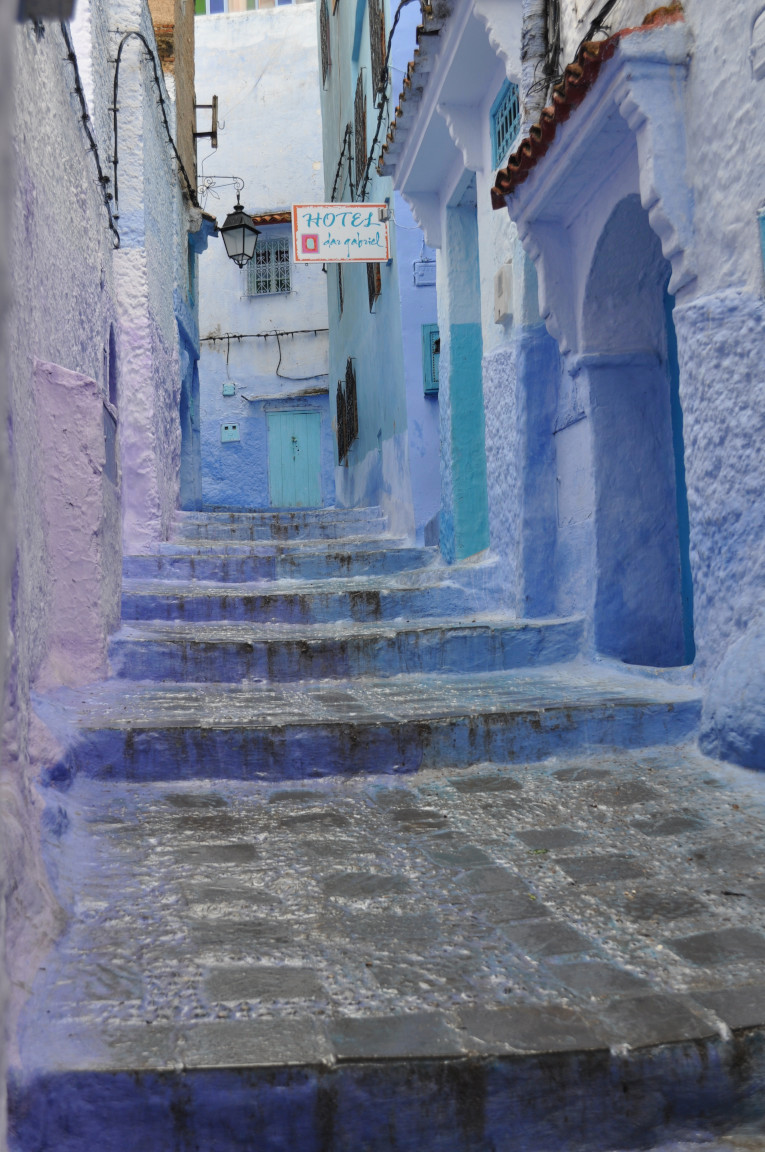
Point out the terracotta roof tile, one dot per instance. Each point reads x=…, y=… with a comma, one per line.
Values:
x=568, y=94
x=273, y=217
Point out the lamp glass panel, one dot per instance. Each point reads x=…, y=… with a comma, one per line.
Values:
x=250, y=239
x=233, y=238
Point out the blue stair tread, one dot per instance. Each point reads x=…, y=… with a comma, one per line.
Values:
x=223, y=632
x=570, y=687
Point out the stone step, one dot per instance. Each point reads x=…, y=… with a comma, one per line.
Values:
x=228, y=528
x=241, y=562
x=425, y=593
x=537, y=956
x=142, y=731
x=284, y=652
x=281, y=515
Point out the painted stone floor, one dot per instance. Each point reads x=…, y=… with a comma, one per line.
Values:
x=617, y=900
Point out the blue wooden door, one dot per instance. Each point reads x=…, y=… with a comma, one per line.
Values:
x=294, y=462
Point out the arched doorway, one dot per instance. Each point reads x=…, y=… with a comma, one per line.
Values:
x=643, y=609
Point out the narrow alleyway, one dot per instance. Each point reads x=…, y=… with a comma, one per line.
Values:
x=353, y=861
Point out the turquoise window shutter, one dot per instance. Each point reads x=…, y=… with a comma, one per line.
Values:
x=431, y=351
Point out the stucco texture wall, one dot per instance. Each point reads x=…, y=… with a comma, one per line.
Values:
x=263, y=66
x=63, y=305
x=6, y=498
x=720, y=325
x=149, y=265
x=718, y=317
x=418, y=307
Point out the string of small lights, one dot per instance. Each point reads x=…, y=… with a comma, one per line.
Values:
x=103, y=180
x=115, y=108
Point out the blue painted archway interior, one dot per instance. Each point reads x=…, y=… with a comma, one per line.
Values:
x=643, y=600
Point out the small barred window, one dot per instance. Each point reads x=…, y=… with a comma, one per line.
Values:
x=347, y=411
x=324, y=36
x=374, y=283
x=377, y=45
x=269, y=270
x=360, y=131
x=505, y=121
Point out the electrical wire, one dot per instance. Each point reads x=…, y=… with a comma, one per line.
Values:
x=598, y=24
x=115, y=108
x=102, y=179
x=229, y=336
x=338, y=170
x=262, y=335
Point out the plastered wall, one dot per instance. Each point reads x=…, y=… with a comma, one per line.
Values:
x=62, y=307
x=377, y=471
x=149, y=264
x=263, y=66
x=6, y=497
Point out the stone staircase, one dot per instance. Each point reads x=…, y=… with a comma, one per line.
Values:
x=275, y=784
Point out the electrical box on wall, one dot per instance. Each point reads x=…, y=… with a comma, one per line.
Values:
x=503, y=294
x=229, y=433
x=229, y=388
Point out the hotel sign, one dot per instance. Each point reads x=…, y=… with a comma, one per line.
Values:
x=340, y=233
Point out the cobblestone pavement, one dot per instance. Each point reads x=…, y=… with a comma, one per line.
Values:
x=573, y=904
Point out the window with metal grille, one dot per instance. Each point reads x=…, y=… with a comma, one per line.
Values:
x=347, y=411
x=360, y=129
x=374, y=283
x=324, y=36
x=340, y=293
x=269, y=270
x=505, y=121
x=377, y=45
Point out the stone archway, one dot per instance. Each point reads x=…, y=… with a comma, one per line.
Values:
x=642, y=607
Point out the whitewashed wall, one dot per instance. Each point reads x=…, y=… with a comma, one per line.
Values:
x=263, y=67
x=6, y=498
x=60, y=260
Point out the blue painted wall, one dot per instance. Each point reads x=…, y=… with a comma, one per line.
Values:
x=417, y=291
x=638, y=605
x=464, y=522
x=236, y=473
x=471, y=509
x=376, y=470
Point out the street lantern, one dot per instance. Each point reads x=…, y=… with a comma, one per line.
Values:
x=239, y=235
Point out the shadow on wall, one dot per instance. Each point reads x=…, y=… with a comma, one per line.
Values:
x=643, y=602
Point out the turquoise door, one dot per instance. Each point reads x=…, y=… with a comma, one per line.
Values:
x=294, y=468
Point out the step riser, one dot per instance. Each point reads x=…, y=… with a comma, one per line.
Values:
x=602, y=1101
x=301, y=751
x=300, y=609
x=439, y=650
x=278, y=531
x=240, y=569
x=348, y=516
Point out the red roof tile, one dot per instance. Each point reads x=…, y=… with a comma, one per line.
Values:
x=568, y=94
